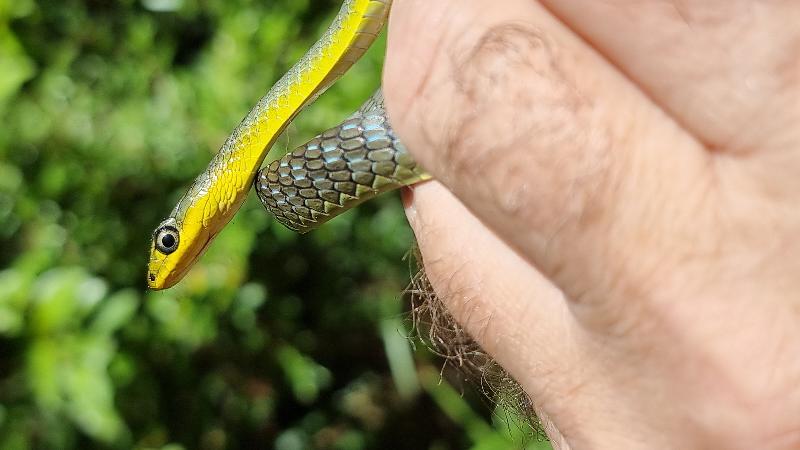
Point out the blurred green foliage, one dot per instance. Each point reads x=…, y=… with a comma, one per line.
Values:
x=108, y=109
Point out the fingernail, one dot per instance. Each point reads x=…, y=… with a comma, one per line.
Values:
x=407, y=196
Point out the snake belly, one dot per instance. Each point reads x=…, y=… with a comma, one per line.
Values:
x=337, y=170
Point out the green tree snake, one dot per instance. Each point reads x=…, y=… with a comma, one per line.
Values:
x=342, y=167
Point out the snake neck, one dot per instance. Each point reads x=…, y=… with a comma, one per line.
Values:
x=229, y=176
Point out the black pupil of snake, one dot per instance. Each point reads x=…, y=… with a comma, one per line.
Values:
x=167, y=240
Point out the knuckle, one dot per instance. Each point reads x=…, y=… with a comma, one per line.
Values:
x=522, y=133
x=417, y=36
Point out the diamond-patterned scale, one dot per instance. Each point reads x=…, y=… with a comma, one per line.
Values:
x=340, y=168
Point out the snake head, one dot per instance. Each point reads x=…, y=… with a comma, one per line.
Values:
x=202, y=212
x=173, y=251
x=180, y=240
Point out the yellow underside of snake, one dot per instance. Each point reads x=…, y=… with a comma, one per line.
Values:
x=337, y=170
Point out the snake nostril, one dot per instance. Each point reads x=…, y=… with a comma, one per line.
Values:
x=152, y=277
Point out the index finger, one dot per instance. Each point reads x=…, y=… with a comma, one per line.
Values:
x=551, y=147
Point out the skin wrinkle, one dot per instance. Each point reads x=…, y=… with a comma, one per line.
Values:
x=537, y=368
x=623, y=9
x=667, y=48
x=494, y=50
x=584, y=187
x=734, y=215
x=574, y=388
x=710, y=17
x=464, y=303
x=449, y=340
x=713, y=56
x=600, y=357
x=586, y=218
x=636, y=315
x=667, y=254
x=707, y=369
x=422, y=86
x=788, y=68
x=461, y=298
x=787, y=73
x=563, y=382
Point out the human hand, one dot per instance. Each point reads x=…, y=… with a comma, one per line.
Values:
x=616, y=214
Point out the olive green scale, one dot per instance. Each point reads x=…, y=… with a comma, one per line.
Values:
x=337, y=170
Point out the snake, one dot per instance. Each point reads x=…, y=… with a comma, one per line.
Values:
x=337, y=170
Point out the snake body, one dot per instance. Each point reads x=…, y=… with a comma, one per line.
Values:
x=337, y=170
x=342, y=167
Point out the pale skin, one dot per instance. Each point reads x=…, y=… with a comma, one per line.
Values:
x=616, y=216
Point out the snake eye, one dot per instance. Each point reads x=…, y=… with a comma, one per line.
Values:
x=167, y=239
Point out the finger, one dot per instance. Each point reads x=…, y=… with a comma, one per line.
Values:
x=511, y=310
x=726, y=70
x=545, y=142
x=524, y=322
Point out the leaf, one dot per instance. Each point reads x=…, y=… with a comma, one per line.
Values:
x=63, y=297
x=116, y=312
x=305, y=376
x=13, y=301
x=89, y=390
x=17, y=66
x=43, y=374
